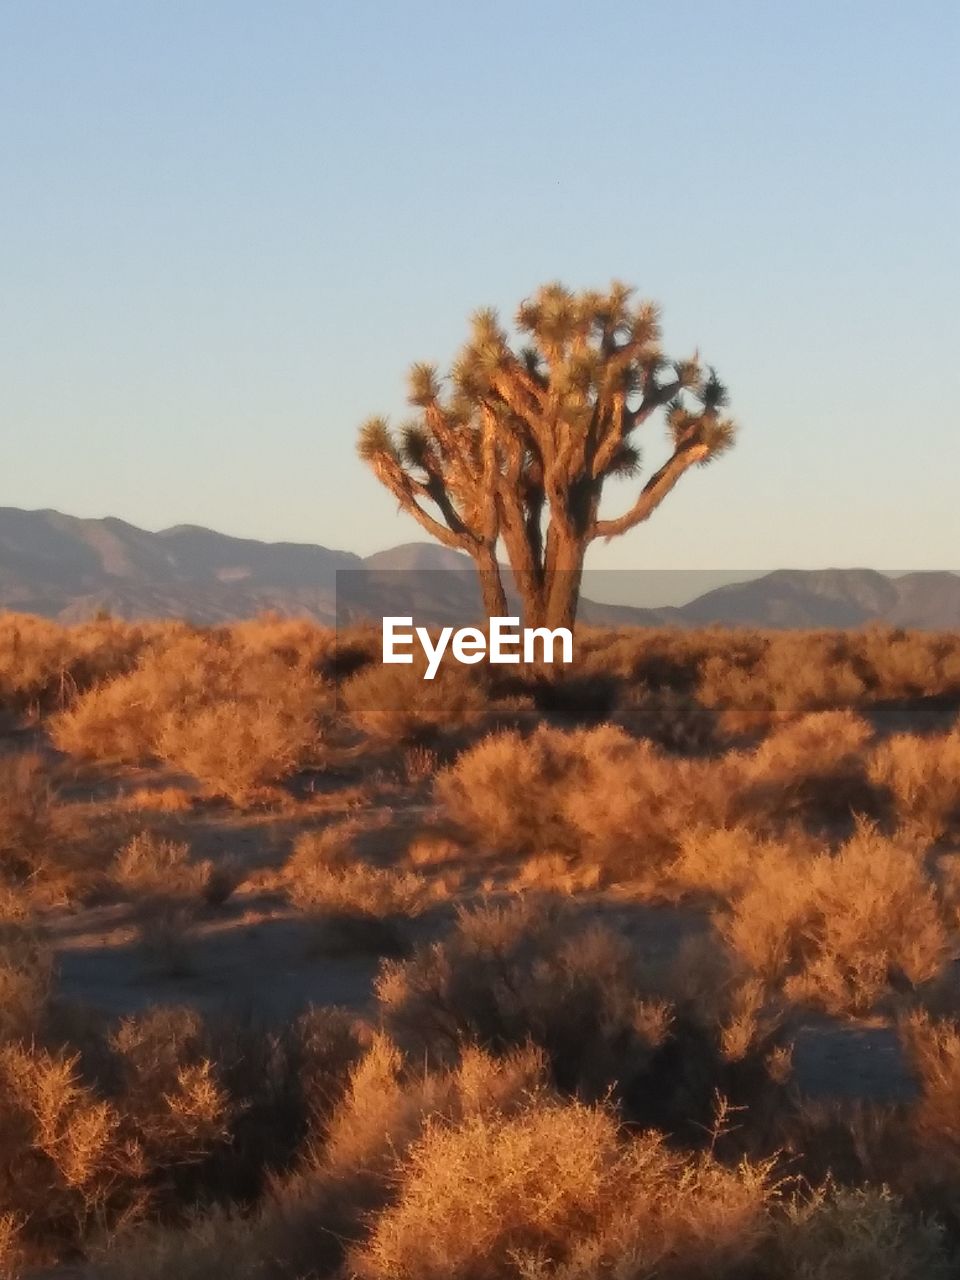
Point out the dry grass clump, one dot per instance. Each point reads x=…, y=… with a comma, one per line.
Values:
x=840, y=930
x=519, y=972
x=238, y=720
x=923, y=777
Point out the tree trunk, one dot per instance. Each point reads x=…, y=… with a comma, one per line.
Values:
x=533, y=599
x=491, y=585
x=563, y=586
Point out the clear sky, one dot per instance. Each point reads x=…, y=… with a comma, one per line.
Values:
x=226, y=229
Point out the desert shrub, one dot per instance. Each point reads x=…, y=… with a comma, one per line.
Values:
x=49, y=850
x=511, y=973
x=503, y=790
x=666, y=659
x=810, y=671
x=168, y=1088
x=811, y=769
x=934, y=1120
x=909, y=664
x=923, y=776
x=238, y=749
x=346, y=1174
x=856, y=1233
x=167, y=935
x=774, y=676
x=632, y=1210
x=338, y=845
x=394, y=704
x=389, y=1096
x=237, y=719
x=45, y=664
x=164, y=879
x=361, y=889
x=480, y=1169
x=299, y=642
x=11, y=1255
x=64, y=1161
x=25, y=976
x=221, y=1106
x=218, y=1242
x=723, y=861
x=556, y=1190
x=150, y=865
x=569, y=697
x=183, y=1113
x=840, y=929
x=348, y=649
x=327, y=872
x=672, y=720
x=27, y=823
x=616, y=803
x=633, y=803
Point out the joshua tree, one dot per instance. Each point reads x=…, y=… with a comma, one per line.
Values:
x=516, y=445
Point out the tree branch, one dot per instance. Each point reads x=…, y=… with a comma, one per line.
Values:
x=629, y=421
x=653, y=492
x=404, y=489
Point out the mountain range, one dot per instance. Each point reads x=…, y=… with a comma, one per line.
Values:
x=69, y=568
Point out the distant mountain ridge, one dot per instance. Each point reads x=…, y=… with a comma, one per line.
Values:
x=68, y=568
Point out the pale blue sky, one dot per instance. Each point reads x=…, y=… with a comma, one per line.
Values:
x=226, y=229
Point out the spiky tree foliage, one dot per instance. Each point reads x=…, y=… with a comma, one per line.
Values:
x=516, y=444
